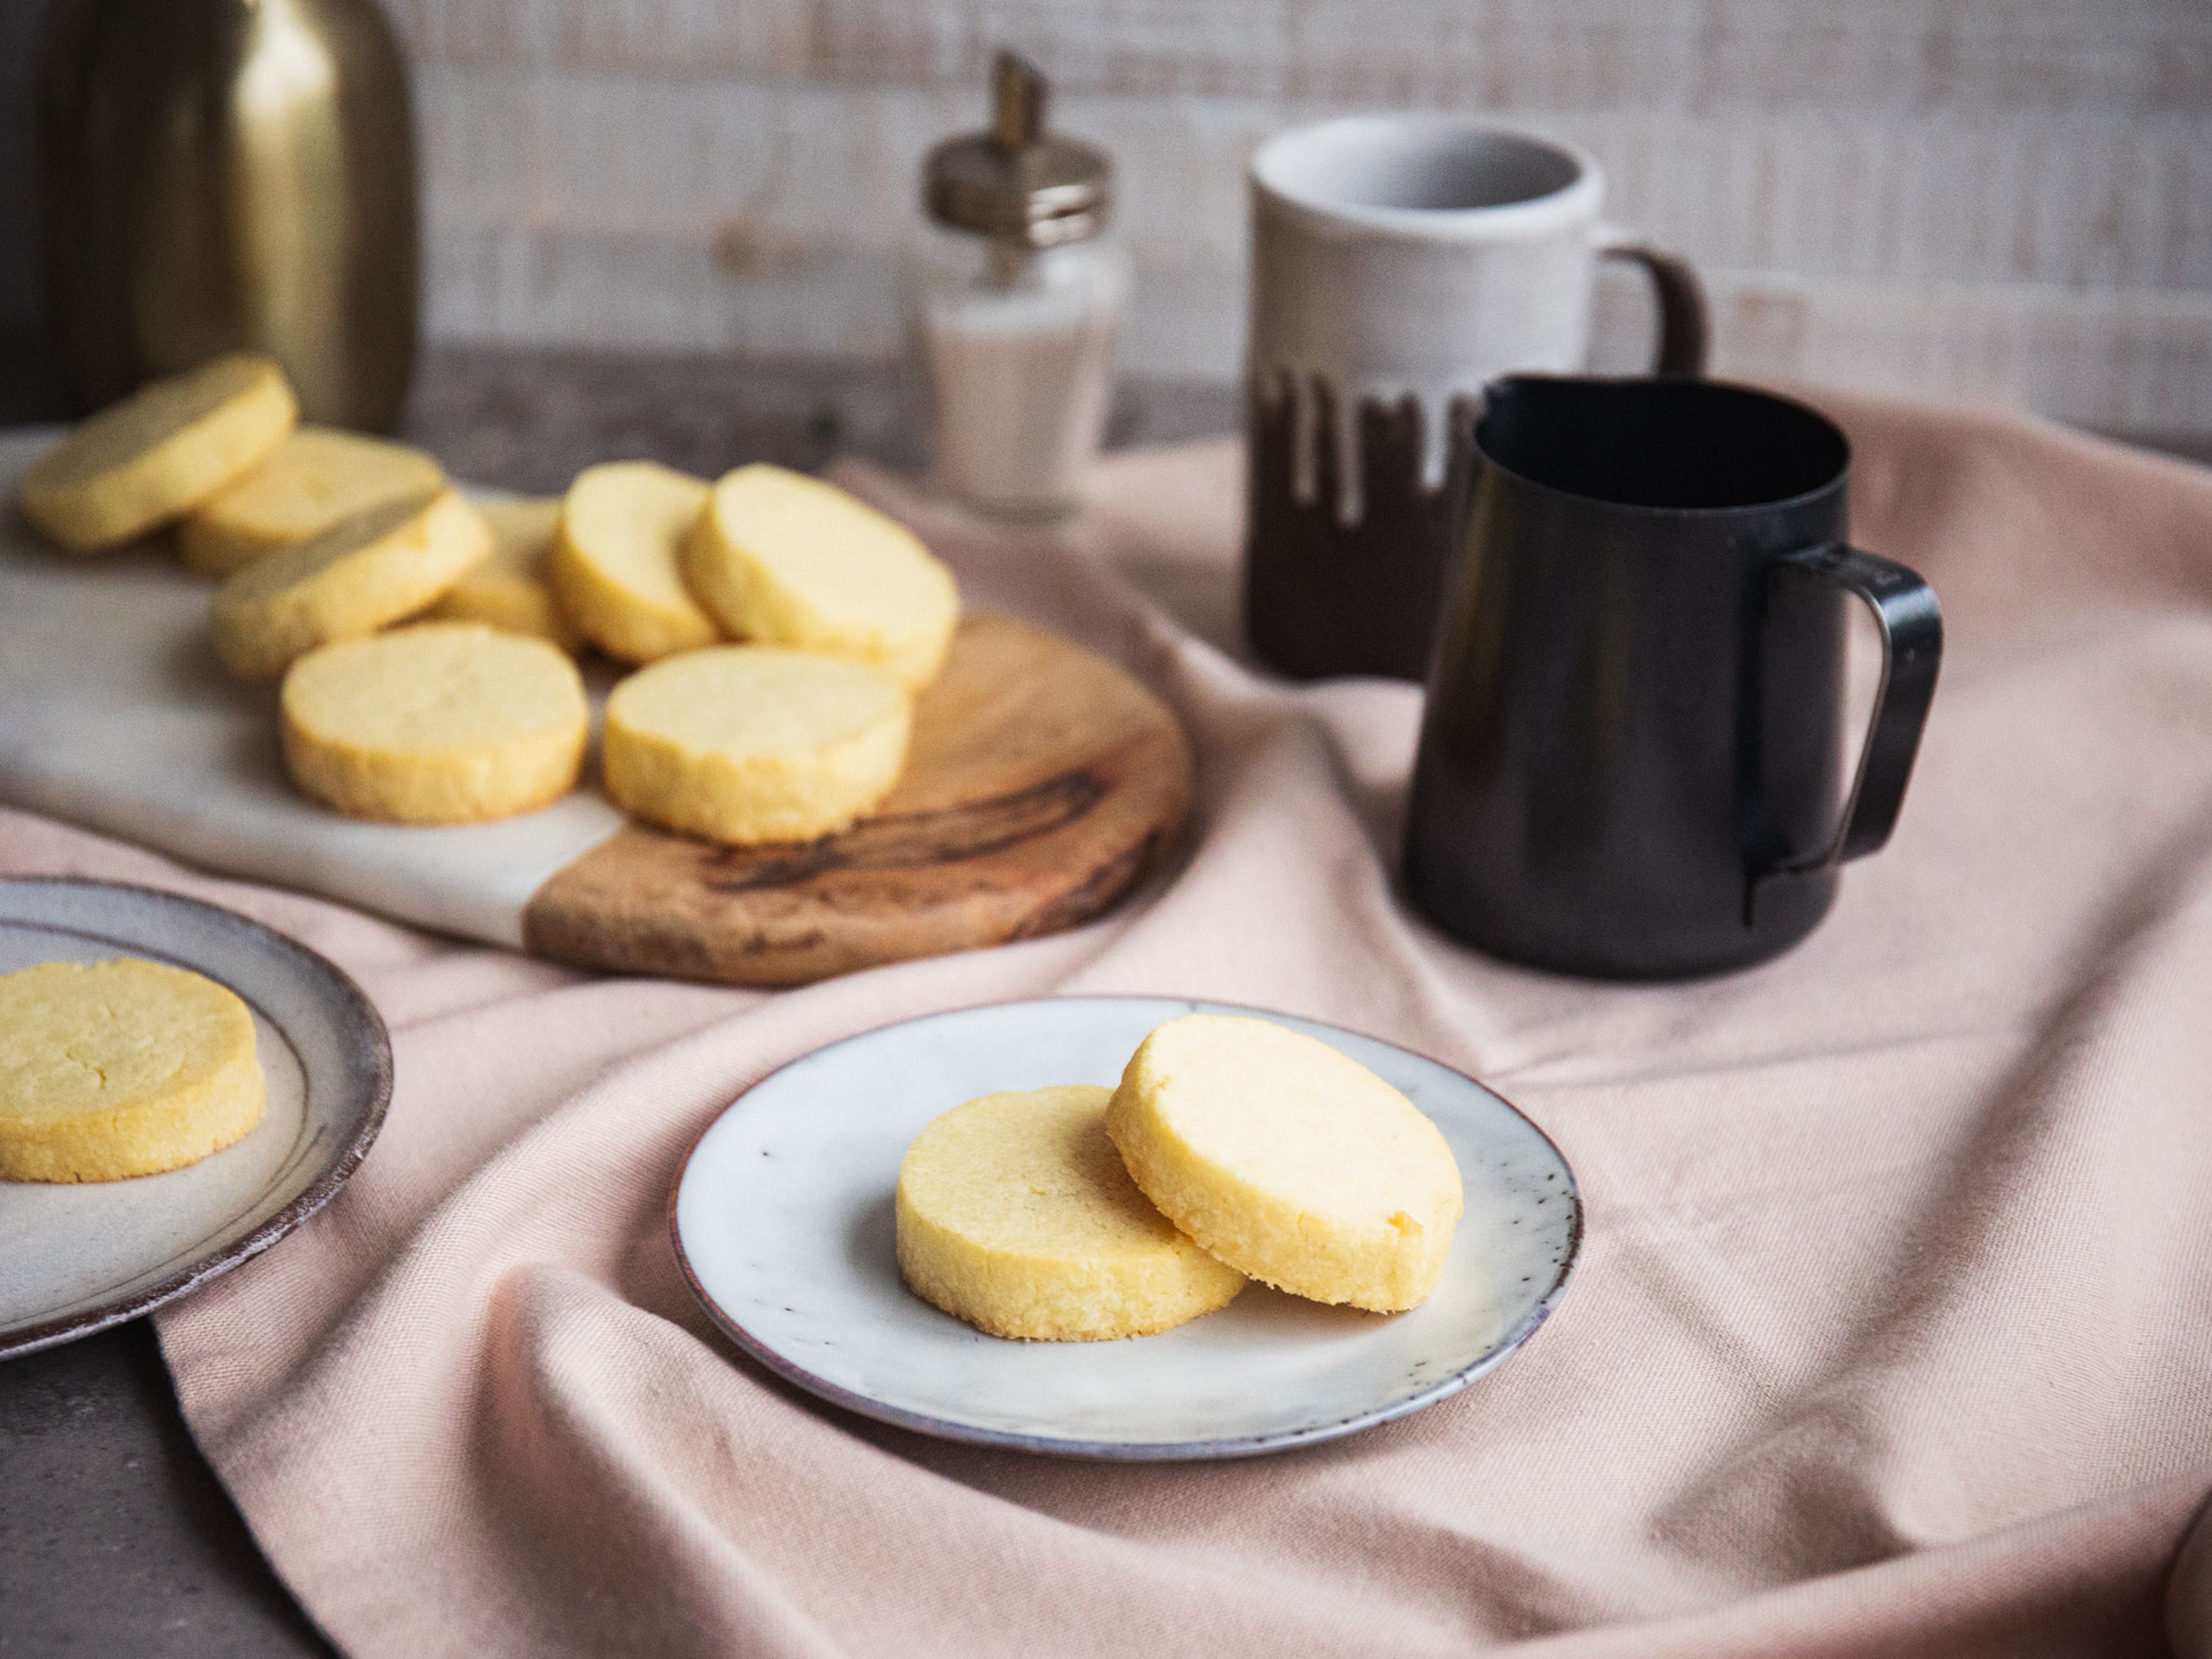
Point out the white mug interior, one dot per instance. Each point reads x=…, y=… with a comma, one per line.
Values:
x=1436, y=176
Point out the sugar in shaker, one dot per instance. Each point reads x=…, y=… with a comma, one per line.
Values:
x=1017, y=297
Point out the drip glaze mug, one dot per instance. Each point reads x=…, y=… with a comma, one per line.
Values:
x=1631, y=758
x=1399, y=262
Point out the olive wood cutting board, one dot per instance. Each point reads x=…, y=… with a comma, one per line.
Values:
x=1042, y=784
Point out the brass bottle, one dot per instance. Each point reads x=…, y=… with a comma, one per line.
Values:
x=224, y=174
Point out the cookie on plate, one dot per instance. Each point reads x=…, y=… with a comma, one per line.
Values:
x=379, y=567
x=159, y=453
x=113, y=1069
x=784, y=559
x=614, y=560
x=444, y=722
x=1014, y=1213
x=750, y=742
x=1289, y=1161
x=316, y=477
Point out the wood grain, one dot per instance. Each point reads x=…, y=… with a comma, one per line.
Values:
x=2055, y=258
x=1043, y=784
x=1944, y=199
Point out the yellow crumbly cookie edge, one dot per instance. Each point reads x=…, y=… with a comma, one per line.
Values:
x=1013, y=1214
x=757, y=592
x=159, y=453
x=623, y=618
x=317, y=477
x=61, y=1021
x=433, y=778
x=1386, y=1258
x=377, y=568
x=750, y=799
x=513, y=589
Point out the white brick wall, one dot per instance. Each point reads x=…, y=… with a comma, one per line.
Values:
x=1952, y=198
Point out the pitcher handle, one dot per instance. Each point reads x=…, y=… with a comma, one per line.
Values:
x=1911, y=625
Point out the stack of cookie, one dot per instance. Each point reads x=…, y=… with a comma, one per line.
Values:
x=1233, y=1150
x=426, y=644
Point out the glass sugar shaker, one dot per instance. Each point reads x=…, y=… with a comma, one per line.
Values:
x=1017, y=297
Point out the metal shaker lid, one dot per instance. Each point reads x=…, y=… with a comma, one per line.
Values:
x=1015, y=181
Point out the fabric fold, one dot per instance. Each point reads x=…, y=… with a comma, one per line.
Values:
x=1887, y=1337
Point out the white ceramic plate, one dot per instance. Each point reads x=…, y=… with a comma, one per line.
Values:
x=76, y=1259
x=783, y=1224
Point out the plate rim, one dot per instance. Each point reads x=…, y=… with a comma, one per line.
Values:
x=1119, y=1451
x=366, y=1024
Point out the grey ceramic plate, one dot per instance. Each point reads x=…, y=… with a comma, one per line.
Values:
x=783, y=1224
x=76, y=1259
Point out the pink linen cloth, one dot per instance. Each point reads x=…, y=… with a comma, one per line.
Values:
x=1890, y=1335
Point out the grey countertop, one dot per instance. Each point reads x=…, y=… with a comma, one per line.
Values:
x=115, y=1536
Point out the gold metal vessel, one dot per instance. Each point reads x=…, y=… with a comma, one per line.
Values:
x=224, y=174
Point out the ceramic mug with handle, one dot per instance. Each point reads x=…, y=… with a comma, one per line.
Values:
x=1399, y=264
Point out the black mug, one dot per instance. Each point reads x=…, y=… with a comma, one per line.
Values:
x=1630, y=762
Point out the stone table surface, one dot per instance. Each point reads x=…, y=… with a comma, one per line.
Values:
x=115, y=1536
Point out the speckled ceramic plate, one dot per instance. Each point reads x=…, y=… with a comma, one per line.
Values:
x=783, y=1224
x=76, y=1259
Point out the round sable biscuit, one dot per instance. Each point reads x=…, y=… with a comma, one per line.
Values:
x=440, y=723
x=783, y=559
x=159, y=453
x=749, y=743
x=1289, y=1161
x=315, y=477
x=112, y=1069
x=614, y=563
x=1015, y=1214
x=381, y=566
x=512, y=589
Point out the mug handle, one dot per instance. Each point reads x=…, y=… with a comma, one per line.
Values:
x=1685, y=319
x=1911, y=625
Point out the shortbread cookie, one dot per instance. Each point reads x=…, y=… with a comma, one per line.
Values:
x=317, y=477
x=622, y=526
x=784, y=559
x=128, y=1068
x=1289, y=1161
x=512, y=590
x=159, y=453
x=749, y=743
x=377, y=568
x=444, y=722
x=1015, y=1214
